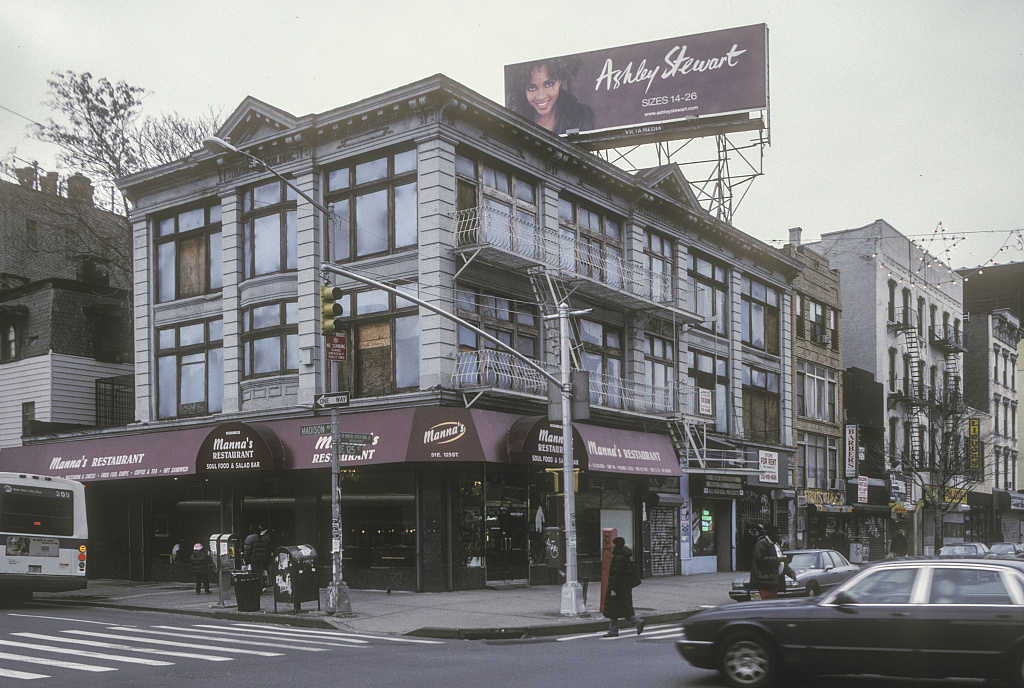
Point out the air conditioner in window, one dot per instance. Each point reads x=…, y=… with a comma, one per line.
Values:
x=824, y=339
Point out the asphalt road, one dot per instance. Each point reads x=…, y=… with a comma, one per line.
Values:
x=48, y=645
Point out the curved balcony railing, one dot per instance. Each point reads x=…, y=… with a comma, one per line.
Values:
x=490, y=227
x=489, y=368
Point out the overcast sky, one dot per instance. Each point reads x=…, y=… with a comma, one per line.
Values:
x=905, y=110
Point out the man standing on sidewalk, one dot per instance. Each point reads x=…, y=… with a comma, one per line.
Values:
x=255, y=552
x=764, y=564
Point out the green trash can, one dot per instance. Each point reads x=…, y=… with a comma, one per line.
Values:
x=247, y=590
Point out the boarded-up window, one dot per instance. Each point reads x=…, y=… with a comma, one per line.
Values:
x=192, y=267
x=374, y=362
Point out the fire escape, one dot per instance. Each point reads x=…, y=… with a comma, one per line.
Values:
x=558, y=269
x=942, y=401
x=908, y=390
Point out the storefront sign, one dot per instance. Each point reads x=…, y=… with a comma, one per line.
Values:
x=538, y=442
x=851, y=451
x=715, y=485
x=234, y=447
x=825, y=498
x=862, y=489
x=768, y=463
x=973, y=443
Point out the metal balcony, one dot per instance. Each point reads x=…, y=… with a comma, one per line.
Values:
x=489, y=369
x=495, y=237
x=947, y=339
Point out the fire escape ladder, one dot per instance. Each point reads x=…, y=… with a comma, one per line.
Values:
x=688, y=442
x=549, y=292
x=915, y=396
x=952, y=382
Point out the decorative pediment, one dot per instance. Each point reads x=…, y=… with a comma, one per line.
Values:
x=670, y=180
x=255, y=120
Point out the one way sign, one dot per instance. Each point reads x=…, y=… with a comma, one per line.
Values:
x=326, y=401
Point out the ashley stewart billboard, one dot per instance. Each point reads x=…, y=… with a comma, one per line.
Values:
x=714, y=73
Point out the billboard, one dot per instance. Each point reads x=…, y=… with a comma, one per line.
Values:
x=714, y=73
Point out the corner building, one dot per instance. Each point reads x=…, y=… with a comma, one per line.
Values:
x=450, y=197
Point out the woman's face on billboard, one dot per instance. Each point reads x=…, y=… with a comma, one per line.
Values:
x=542, y=92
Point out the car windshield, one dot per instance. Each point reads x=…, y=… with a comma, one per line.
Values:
x=805, y=560
x=1003, y=548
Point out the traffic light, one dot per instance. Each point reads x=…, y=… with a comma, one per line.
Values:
x=330, y=309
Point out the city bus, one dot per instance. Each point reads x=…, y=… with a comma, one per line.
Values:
x=43, y=535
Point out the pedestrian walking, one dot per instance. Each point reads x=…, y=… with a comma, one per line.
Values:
x=784, y=568
x=622, y=578
x=898, y=545
x=202, y=562
x=764, y=564
x=256, y=551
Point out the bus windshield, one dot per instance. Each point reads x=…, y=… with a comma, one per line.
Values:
x=36, y=510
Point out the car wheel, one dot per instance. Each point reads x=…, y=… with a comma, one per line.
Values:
x=748, y=661
x=812, y=589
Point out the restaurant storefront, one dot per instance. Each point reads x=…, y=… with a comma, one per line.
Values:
x=442, y=499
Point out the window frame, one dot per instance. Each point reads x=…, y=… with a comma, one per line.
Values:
x=360, y=178
x=600, y=358
x=826, y=384
x=285, y=209
x=763, y=395
x=284, y=330
x=712, y=276
x=590, y=241
x=167, y=232
x=769, y=323
x=212, y=343
x=367, y=308
x=659, y=261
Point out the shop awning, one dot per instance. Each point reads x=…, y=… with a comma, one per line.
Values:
x=537, y=441
x=428, y=434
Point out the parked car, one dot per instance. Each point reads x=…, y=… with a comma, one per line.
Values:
x=965, y=549
x=1007, y=548
x=921, y=617
x=817, y=570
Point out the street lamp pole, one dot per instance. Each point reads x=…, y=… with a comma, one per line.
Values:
x=338, y=599
x=572, y=592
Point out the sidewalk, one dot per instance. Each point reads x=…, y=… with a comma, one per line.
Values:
x=503, y=611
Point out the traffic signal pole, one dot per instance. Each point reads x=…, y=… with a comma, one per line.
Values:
x=572, y=592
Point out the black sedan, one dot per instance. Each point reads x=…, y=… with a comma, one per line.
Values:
x=904, y=617
x=817, y=570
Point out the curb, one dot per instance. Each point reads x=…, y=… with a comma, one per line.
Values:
x=525, y=632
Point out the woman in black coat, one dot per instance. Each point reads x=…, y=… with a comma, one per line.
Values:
x=201, y=563
x=622, y=578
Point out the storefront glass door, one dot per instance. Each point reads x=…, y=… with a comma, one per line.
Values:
x=506, y=539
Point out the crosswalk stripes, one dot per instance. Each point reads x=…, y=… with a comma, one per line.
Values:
x=112, y=647
x=651, y=632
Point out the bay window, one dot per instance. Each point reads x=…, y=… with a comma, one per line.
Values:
x=270, y=339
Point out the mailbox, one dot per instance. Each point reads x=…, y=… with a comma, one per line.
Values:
x=226, y=551
x=295, y=576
